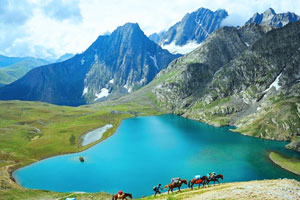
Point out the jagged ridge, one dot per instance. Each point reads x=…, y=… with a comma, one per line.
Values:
x=247, y=77
x=114, y=64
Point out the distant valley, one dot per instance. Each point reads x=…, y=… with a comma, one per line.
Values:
x=13, y=68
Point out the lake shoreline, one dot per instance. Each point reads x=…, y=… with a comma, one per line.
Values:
x=166, y=121
x=94, y=135
x=281, y=164
x=14, y=168
x=10, y=170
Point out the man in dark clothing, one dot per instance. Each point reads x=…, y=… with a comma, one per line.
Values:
x=156, y=189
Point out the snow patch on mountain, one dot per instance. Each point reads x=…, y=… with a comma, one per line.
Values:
x=154, y=60
x=129, y=89
x=82, y=61
x=85, y=90
x=187, y=48
x=274, y=84
x=103, y=93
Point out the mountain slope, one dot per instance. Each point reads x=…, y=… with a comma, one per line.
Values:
x=194, y=71
x=113, y=65
x=19, y=68
x=248, y=77
x=65, y=57
x=255, y=89
x=270, y=17
x=6, y=61
x=191, y=30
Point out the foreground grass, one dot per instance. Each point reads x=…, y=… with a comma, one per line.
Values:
x=290, y=164
x=31, y=131
x=187, y=193
x=46, y=195
x=264, y=189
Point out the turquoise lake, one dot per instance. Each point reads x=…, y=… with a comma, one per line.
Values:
x=146, y=151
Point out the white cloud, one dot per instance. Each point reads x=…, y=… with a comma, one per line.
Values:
x=47, y=28
x=14, y=12
x=63, y=10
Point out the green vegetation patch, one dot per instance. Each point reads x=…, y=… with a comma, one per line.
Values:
x=279, y=121
x=290, y=164
x=41, y=194
x=31, y=131
x=213, y=104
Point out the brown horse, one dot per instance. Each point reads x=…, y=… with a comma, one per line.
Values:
x=216, y=178
x=173, y=185
x=115, y=197
x=203, y=180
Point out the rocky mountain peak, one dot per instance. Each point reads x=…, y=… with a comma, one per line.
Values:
x=112, y=66
x=271, y=18
x=194, y=28
x=269, y=11
x=128, y=30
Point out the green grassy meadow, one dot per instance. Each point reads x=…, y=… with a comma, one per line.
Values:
x=290, y=164
x=31, y=131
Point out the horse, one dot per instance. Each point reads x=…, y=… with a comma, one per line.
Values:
x=216, y=178
x=204, y=180
x=173, y=185
x=115, y=197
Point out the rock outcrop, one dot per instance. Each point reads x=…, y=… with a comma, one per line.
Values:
x=248, y=77
x=271, y=18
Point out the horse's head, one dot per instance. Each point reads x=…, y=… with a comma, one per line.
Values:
x=221, y=176
x=128, y=195
x=184, y=181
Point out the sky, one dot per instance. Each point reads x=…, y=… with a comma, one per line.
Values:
x=50, y=28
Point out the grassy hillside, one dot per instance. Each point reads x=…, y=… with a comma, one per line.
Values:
x=15, y=71
x=31, y=131
x=289, y=164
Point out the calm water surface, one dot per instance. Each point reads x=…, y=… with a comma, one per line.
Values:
x=146, y=151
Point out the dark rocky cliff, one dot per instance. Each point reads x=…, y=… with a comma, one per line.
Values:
x=112, y=66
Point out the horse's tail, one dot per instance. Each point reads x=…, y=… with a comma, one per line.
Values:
x=189, y=184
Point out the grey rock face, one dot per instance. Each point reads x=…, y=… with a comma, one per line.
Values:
x=196, y=69
x=156, y=37
x=195, y=26
x=269, y=17
x=247, y=77
x=116, y=64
